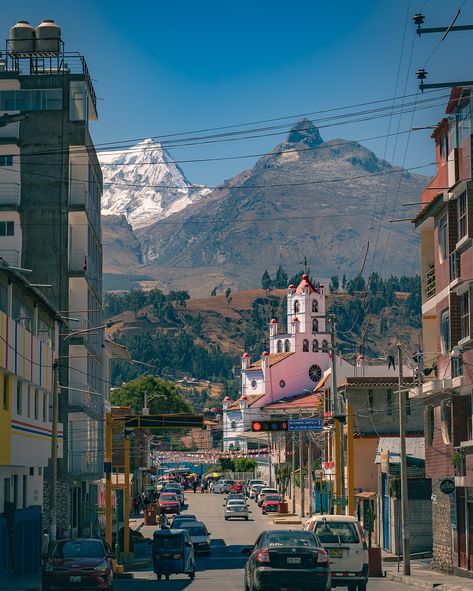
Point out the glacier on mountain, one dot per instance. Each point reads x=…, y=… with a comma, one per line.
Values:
x=144, y=184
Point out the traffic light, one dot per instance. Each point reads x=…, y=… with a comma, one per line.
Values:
x=259, y=426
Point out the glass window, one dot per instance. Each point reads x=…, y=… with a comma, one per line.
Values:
x=442, y=238
x=445, y=331
x=337, y=532
x=28, y=400
x=315, y=346
x=10, y=228
x=446, y=417
x=296, y=307
x=19, y=397
x=78, y=548
x=370, y=400
x=31, y=100
x=324, y=346
x=78, y=101
x=6, y=160
x=315, y=306
x=462, y=216
x=315, y=325
x=430, y=424
x=444, y=148
x=465, y=315
x=305, y=346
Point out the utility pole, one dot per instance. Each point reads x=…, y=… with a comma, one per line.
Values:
x=301, y=473
x=108, y=478
x=350, y=462
x=310, y=485
x=406, y=542
x=293, y=471
x=338, y=414
x=126, y=498
x=53, y=470
x=269, y=460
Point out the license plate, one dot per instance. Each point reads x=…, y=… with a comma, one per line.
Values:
x=74, y=579
x=293, y=560
x=336, y=553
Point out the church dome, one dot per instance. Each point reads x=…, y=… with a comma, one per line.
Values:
x=274, y=321
x=295, y=319
x=245, y=354
x=265, y=354
x=227, y=399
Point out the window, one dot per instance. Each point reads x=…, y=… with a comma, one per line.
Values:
x=389, y=402
x=28, y=401
x=462, y=216
x=6, y=392
x=444, y=148
x=45, y=407
x=25, y=491
x=19, y=397
x=15, y=490
x=31, y=471
x=445, y=331
x=36, y=403
x=315, y=325
x=315, y=306
x=78, y=102
x=315, y=346
x=430, y=424
x=31, y=100
x=324, y=346
x=370, y=401
x=287, y=346
x=465, y=315
x=315, y=373
x=6, y=160
x=7, y=228
x=297, y=307
x=442, y=238
x=305, y=346
x=279, y=346
x=446, y=420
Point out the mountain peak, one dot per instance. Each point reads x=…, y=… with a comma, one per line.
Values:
x=304, y=131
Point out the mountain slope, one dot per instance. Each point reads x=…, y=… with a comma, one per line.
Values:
x=323, y=200
x=144, y=184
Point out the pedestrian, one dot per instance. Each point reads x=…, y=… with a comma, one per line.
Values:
x=136, y=505
x=194, y=486
x=202, y=487
x=145, y=502
x=163, y=522
x=45, y=543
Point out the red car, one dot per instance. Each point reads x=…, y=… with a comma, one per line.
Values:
x=237, y=487
x=78, y=563
x=271, y=504
x=169, y=503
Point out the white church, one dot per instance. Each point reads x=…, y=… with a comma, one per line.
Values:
x=295, y=364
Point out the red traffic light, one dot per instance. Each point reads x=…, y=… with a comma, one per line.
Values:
x=257, y=426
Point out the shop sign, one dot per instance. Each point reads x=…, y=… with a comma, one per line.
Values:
x=447, y=486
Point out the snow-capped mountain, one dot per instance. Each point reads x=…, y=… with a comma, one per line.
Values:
x=144, y=184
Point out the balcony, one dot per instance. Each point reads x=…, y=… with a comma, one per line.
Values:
x=80, y=198
x=12, y=257
x=84, y=462
x=10, y=193
x=82, y=396
x=430, y=283
x=81, y=264
x=10, y=131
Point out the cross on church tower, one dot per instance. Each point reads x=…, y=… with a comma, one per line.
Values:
x=306, y=265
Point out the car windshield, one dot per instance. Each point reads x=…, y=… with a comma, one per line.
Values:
x=291, y=538
x=78, y=549
x=195, y=530
x=184, y=518
x=272, y=498
x=336, y=532
x=236, y=502
x=168, y=498
x=171, y=542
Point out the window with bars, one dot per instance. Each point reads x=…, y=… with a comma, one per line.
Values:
x=465, y=315
x=462, y=216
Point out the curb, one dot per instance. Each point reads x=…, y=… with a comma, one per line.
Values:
x=423, y=584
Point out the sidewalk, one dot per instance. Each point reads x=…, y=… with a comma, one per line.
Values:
x=26, y=583
x=424, y=578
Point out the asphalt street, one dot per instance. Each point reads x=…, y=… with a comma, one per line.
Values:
x=223, y=569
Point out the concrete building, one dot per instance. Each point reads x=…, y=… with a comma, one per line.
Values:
x=28, y=349
x=445, y=223
x=50, y=190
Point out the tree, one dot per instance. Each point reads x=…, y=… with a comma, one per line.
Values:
x=214, y=291
x=280, y=281
x=228, y=294
x=163, y=396
x=344, y=281
x=334, y=283
x=244, y=465
x=266, y=282
x=226, y=464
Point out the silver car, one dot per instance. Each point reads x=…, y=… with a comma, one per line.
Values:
x=236, y=509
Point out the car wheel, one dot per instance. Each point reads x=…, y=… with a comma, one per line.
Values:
x=192, y=575
x=362, y=586
x=246, y=518
x=159, y=577
x=245, y=584
x=167, y=577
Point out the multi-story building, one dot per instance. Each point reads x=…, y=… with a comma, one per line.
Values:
x=50, y=191
x=28, y=349
x=445, y=223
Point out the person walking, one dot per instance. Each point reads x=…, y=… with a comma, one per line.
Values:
x=194, y=485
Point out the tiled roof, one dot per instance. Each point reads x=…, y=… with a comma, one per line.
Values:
x=302, y=401
x=427, y=207
x=273, y=359
x=305, y=283
x=252, y=398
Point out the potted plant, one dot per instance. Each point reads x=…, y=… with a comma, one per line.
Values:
x=374, y=552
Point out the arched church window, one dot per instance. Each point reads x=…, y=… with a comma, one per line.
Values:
x=297, y=307
x=305, y=346
x=315, y=306
x=315, y=325
x=287, y=346
x=279, y=346
x=324, y=346
x=315, y=346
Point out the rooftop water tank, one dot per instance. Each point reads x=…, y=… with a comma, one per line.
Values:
x=22, y=37
x=48, y=36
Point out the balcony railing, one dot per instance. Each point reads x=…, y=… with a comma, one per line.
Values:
x=430, y=283
x=81, y=263
x=79, y=197
x=82, y=395
x=84, y=462
x=12, y=257
x=10, y=131
x=9, y=193
x=454, y=266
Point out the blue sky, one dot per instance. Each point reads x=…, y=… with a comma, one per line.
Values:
x=172, y=66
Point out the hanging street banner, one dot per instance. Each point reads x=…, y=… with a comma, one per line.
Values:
x=305, y=424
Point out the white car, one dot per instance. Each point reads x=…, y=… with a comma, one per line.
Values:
x=343, y=538
x=251, y=483
x=255, y=490
x=236, y=509
x=218, y=488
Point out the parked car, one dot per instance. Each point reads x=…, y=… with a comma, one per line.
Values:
x=237, y=487
x=270, y=503
x=199, y=535
x=266, y=491
x=227, y=485
x=255, y=489
x=286, y=558
x=177, y=519
x=343, y=538
x=251, y=483
x=169, y=503
x=173, y=553
x=176, y=488
x=236, y=508
x=232, y=496
x=78, y=563
x=218, y=487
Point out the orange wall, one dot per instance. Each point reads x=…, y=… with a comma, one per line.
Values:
x=366, y=471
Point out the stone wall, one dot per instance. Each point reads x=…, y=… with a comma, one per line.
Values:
x=63, y=504
x=441, y=530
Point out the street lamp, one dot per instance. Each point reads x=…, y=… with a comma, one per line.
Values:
x=54, y=426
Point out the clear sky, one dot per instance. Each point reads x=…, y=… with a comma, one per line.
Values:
x=167, y=66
